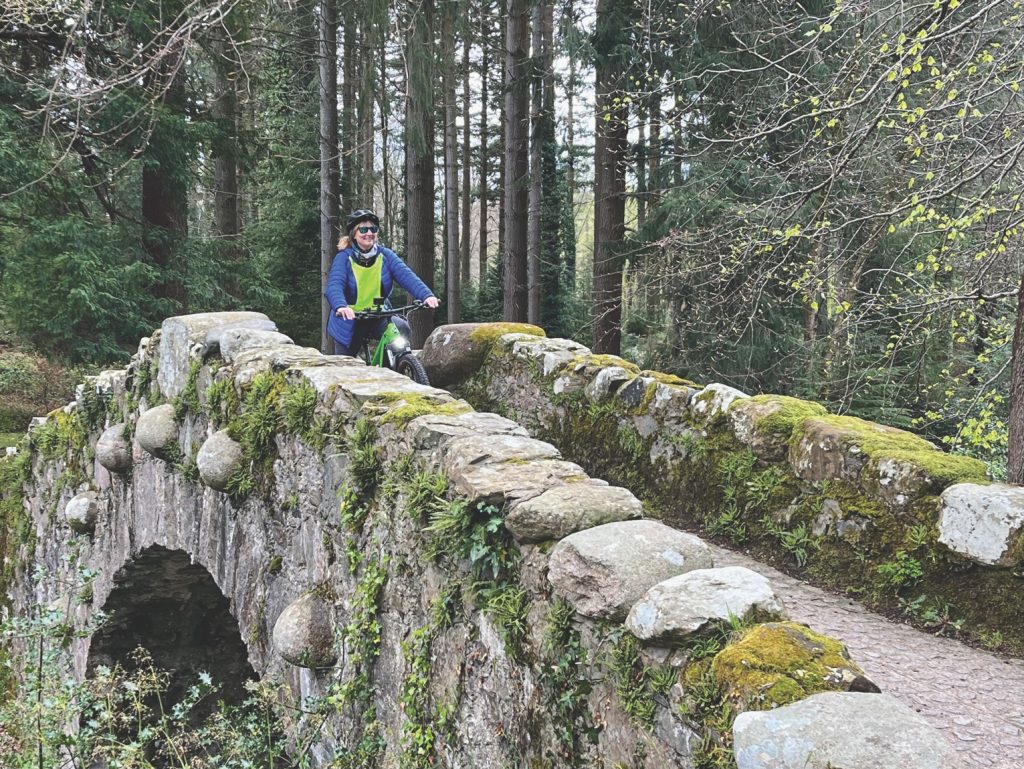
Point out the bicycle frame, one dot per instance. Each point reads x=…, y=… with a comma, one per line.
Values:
x=390, y=345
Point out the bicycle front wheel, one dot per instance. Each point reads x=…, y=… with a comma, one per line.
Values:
x=409, y=365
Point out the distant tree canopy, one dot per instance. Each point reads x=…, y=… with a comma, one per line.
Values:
x=813, y=198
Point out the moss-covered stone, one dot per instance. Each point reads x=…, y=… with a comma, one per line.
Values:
x=668, y=379
x=781, y=662
x=402, y=408
x=488, y=333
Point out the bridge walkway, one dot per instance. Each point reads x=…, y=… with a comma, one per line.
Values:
x=972, y=696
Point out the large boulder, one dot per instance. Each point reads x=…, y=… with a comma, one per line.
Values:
x=840, y=729
x=157, y=431
x=453, y=353
x=113, y=450
x=573, y=507
x=984, y=522
x=218, y=459
x=304, y=633
x=603, y=571
x=692, y=602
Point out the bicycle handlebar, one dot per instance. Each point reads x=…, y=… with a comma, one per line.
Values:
x=368, y=314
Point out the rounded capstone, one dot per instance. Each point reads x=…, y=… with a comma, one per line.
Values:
x=691, y=602
x=304, y=633
x=562, y=510
x=217, y=460
x=113, y=450
x=603, y=571
x=157, y=431
x=80, y=512
x=840, y=729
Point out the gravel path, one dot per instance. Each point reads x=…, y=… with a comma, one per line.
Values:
x=973, y=697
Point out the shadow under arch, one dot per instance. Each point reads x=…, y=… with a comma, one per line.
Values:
x=171, y=607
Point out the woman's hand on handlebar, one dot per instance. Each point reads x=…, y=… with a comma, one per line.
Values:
x=431, y=302
x=345, y=313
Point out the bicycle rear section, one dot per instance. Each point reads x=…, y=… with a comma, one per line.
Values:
x=393, y=350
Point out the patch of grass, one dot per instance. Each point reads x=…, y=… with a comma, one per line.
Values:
x=425, y=495
x=188, y=399
x=222, y=401
x=632, y=681
x=564, y=684
x=364, y=456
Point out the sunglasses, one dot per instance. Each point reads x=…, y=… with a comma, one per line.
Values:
x=372, y=228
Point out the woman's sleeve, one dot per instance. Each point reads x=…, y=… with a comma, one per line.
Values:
x=335, y=289
x=407, y=279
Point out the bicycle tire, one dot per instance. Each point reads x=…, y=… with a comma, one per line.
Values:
x=409, y=365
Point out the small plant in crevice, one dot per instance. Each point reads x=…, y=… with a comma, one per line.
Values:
x=254, y=428
x=728, y=523
x=564, y=684
x=935, y=614
x=631, y=442
x=704, y=707
x=298, y=405
x=424, y=726
x=424, y=494
x=446, y=605
x=462, y=532
x=353, y=696
x=188, y=399
x=632, y=680
x=900, y=572
x=364, y=456
x=507, y=605
x=353, y=509
x=799, y=543
x=222, y=402
x=93, y=405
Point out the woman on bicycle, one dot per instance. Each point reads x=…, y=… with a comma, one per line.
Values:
x=363, y=270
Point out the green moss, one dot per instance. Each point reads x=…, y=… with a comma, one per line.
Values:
x=879, y=443
x=10, y=439
x=276, y=562
x=778, y=663
x=788, y=414
x=488, y=333
x=405, y=407
x=669, y=379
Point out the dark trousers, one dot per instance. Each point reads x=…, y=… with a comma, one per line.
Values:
x=369, y=329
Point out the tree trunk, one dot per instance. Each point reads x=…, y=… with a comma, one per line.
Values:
x=610, y=148
x=419, y=153
x=164, y=191
x=227, y=224
x=654, y=183
x=347, y=187
x=467, y=159
x=1015, y=449
x=328, y=152
x=451, y=171
x=485, y=39
x=517, y=168
x=536, y=176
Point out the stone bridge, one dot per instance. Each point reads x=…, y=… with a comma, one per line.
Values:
x=244, y=506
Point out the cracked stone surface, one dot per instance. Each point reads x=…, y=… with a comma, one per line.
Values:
x=973, y=697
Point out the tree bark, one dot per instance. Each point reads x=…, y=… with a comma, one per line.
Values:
x=226, y=219
x=484, y=150
x=610, y=148
x=451, y=171
x=419, y=153
x=1015, y=449
x=164, y=192
x=328, y=52
x=517, y=167
x=536, y=175
x=467, y=159
x=347, y=184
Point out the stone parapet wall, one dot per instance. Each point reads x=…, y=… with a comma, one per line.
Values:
x=855, y=505
x=436, y=586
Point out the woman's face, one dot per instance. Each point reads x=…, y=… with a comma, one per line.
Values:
x=365, y=235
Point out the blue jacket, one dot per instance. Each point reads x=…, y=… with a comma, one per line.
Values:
x=341, y=287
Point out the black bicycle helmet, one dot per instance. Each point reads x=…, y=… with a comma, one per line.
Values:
x=360, y=215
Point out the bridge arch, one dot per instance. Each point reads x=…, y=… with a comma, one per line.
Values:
x=165, y=603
